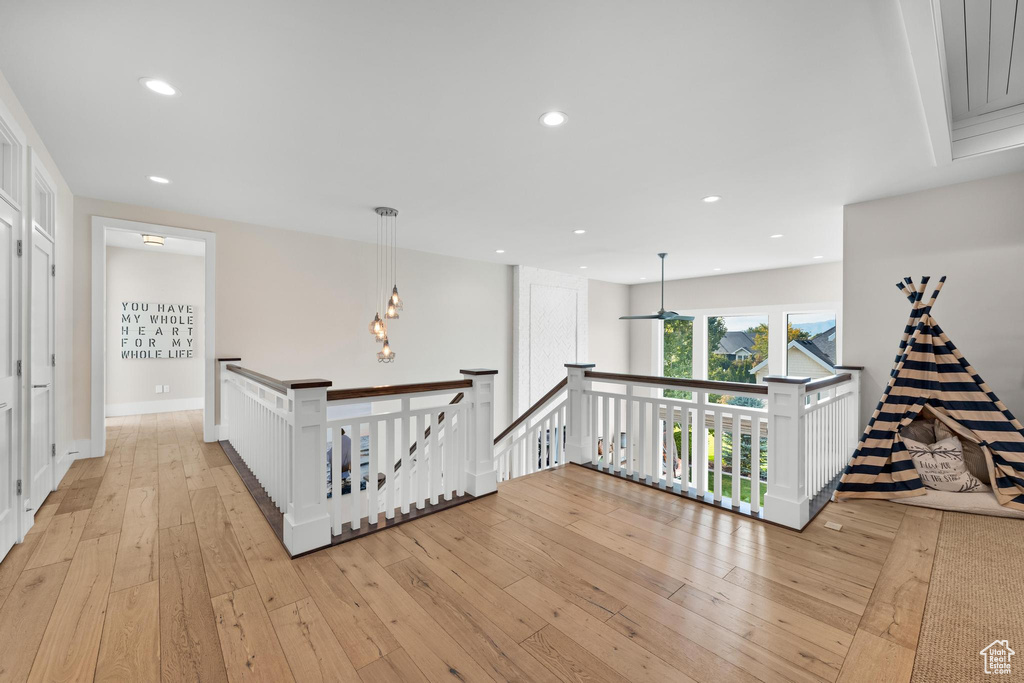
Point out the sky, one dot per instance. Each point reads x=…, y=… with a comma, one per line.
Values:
x=812, y=322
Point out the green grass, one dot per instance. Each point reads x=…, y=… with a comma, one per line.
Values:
x=727, y=485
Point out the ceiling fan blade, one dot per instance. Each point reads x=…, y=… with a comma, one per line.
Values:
x=640, y=317
x=675, y=316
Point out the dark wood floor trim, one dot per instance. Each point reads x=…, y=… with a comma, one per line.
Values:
x=274, y=516
x=817, y=504
x=348, y=534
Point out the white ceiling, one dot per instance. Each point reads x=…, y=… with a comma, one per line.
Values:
x=306, y=115
x=171, y=245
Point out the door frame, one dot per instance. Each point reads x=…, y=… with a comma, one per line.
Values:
x=100, y=226
x=17, y=456
x=38, y=177
x=14, y=195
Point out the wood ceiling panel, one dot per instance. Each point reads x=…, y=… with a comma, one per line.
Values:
x=984, y=44
x=1003, y=18
x=978, y=24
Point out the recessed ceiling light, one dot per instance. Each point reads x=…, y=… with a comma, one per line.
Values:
x=716, y=269
x=553, y=118
x=583, y=267
x=819, y=257
x=777, y=236
x=499, y=251
x=711, y=198
x=578, y=232
x=159, y=180
x=643, y=278
x=159, y=87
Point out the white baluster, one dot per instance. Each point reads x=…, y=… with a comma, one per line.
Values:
x=737, y=457
x=700, y=441
x=718, y=456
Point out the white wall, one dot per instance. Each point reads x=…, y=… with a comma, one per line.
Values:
x=609, y=336
x=974, y=234
x=64, y=240
x=803, y=287
x=296, y=305
x=153, y=277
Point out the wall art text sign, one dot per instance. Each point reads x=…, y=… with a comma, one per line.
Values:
x=152, y=330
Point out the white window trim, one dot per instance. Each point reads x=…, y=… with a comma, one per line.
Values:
x=778, y=316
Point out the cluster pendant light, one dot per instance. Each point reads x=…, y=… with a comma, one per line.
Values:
x=386, y=301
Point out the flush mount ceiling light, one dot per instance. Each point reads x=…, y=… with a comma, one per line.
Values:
x=777, y=236
x=153, y=240
x=499, y=251
x=817, y=257
x=662, y=314
x=578, y=232
x=711, y=199
x=583, y=267
x=159, y=180
x=160, y=87
x=553, y=119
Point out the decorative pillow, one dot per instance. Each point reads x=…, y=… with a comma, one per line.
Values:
x=941, y=465
x=920, y=430
x=973, y=455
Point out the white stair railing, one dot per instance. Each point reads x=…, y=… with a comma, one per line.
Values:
x=765, y=449
x=414, y=457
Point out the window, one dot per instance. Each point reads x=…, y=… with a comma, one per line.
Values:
x=678, y=356
x=737, y=344
x=811, y=348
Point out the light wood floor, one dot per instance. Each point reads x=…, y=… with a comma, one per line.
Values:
x=153, y=563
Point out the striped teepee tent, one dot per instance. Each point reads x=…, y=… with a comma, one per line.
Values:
x=932, y=375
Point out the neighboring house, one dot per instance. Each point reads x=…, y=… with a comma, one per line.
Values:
x=736, y=345
x=814, y=357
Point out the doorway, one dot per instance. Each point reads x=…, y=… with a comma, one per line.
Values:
x=152, y=319
x=10, y=279
x=42, y=444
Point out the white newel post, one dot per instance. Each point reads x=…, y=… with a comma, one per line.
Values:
x=786, y=501
x=481, y=475
x=577, y=415
x=307, y=523
x=222, y=398
x=854, y=417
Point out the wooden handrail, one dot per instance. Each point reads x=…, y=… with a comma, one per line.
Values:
x=532, y=409
x=684, y=384
x=279, y=385
x=396, y=389
x=826, y=382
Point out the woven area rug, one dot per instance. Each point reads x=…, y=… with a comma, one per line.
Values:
x=975, y=598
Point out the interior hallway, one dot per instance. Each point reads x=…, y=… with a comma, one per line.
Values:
x=153, y=562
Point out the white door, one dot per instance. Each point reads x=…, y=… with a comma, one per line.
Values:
x=10, y=501
x=41, y=374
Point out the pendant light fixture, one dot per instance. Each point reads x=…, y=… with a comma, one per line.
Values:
x=389, y=302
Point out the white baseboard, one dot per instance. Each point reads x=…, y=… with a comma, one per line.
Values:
x=149, y=407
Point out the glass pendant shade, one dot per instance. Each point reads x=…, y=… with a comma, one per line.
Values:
x=392, y=312
x=385, y=355
x=377, y=327
x=395, y=299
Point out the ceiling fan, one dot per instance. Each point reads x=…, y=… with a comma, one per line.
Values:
x=662, y=314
